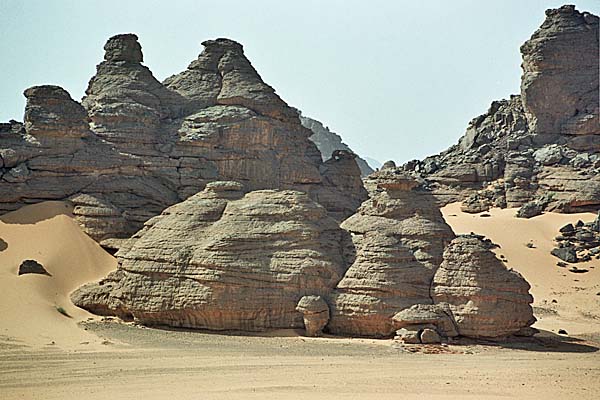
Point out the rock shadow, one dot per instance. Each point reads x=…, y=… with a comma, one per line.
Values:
x=547, y=342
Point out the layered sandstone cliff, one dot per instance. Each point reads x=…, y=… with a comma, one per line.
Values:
x=135, y=145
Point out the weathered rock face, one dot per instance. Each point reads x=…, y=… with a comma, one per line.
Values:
x=267, y=259
x=224, y=260
x=541, y=145
x=136, y=146
x=486, y=299
x=399, y=236
x=127, y=105
x=222, y=75
x=51, y=113
x=410, y=274
x=560, y=74
x=327, y=142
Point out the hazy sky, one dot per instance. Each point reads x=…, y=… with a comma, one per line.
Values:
x=396, y=79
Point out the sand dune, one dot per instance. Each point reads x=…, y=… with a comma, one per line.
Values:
x=562, y=299
x=46, y=233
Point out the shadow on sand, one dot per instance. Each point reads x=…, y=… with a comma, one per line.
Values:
x=544, y=341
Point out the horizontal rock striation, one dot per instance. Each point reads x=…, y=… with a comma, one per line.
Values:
x=398, y=237
x=486, y=299
x=223, y=260
x=228, y=260
x=543, y=145
x=135, y=146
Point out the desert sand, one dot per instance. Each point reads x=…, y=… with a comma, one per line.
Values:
x=45, y=232
x=44, y=354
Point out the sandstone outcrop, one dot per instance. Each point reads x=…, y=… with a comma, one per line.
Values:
x=228, y=260
x=223, y=260
x=473, y=295
x=327, y=142
x=410, y=274
x=542, y=145
x=399, y=237
x=486, y=299
x=560, y=77
x=135, y=146
x=226, y=216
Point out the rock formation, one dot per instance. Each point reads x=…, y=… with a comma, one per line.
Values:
x=315, y=312
x=226, y=260
x=560, y=78
x=579, y=242
x=409, y=274
x=327, y=142
x=223, y=260
x=399, y=237
x=237, y=215
x=135, y=146
x=485, y=299
x=543, y=145
x=473, y=295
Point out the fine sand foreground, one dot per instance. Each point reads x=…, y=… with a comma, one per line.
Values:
x=44, y=354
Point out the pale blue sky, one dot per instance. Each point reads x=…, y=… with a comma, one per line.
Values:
x=397, y=79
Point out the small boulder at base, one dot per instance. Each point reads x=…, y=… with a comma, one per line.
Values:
x=438, y=315
x=408, y=335
x=315, y=312
x=430, y=336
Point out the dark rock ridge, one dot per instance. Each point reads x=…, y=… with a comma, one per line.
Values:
x=135, y=146
x=542, y=145
x=225, y=259
x=327, y=142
